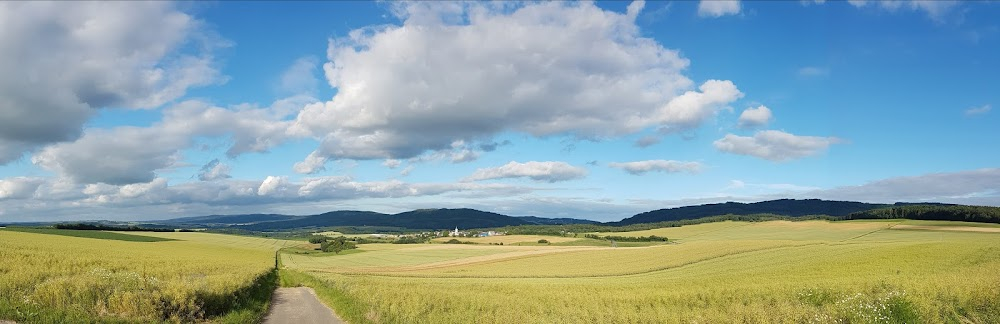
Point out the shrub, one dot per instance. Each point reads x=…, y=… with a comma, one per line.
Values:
x=409, y=240
x=543, y=241
x=337, y=245
x=453, y=241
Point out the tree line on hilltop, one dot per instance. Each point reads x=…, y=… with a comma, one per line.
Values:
x=979, y=214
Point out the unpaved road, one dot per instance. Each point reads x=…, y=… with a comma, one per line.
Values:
x=299, y=306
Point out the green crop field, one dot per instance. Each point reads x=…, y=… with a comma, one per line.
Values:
x=93, y=276
x=768, y=272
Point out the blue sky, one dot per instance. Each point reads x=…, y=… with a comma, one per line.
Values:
x=131, y=111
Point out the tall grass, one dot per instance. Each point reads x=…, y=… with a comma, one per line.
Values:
x=193, y=277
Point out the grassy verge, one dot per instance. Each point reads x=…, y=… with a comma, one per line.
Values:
x=89, y=234
x=248, y=305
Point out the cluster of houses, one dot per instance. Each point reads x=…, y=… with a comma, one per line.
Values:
x=454, y=233
x=457, y=233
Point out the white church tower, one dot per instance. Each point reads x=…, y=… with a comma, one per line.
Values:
x=455, y=233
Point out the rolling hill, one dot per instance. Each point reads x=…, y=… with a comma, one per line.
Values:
x=444, y=218
x=416, y=219
x=785, y=207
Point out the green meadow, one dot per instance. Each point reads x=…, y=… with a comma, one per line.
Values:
x=762, y=272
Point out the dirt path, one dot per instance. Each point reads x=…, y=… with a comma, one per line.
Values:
x=299, y=306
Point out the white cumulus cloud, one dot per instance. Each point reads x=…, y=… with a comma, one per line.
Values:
x=755, y=117
x=273, y=185
x=125, y=155
x=550, y=171
x=213, y=170
x=718, y=8
x=668, y=166
x=19, y=187
x=64, y=60
x=468, y=71
x=774, y=145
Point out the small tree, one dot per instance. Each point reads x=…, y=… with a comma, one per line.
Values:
x=338, y=244
x=317, y=239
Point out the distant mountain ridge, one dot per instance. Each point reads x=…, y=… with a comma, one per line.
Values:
x=416, y=219
x=784, y=207
x=228, y=219
x=465, y=218
x=445, y=218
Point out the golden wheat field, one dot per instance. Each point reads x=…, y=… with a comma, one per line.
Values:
x=195, y=276
x=767, y=272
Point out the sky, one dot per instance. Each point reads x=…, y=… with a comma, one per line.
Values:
x=593, y=110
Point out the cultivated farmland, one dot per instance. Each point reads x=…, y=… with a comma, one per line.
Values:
x=50, y=277
x=795, y=272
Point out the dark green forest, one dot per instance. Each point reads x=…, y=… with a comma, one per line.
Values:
x=980, y=214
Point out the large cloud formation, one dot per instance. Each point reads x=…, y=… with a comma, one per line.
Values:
x=126, y=155
x=755, y=117
x=63, y=60
x=466, y=71
x=49, y=199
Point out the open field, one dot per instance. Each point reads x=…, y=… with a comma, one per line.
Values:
x=190, y=276
x=795, y=272
x=507, y=239
x=91, y=234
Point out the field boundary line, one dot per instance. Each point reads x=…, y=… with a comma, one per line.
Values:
x=869, y=233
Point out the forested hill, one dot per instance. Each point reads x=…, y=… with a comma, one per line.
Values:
x=555, y=221
x=464, y=218
x=933, y=212
x=785, y=207
x=228, y=219
x=416, y=219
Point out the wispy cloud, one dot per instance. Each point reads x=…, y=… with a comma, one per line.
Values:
x=977, y=111
x=550, y=171
x=667, y=166
x=813, y=71
x=775, y=145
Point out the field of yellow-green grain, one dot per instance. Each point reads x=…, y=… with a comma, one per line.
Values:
x=507, y=239
x=195, y=276
x=768, y=272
